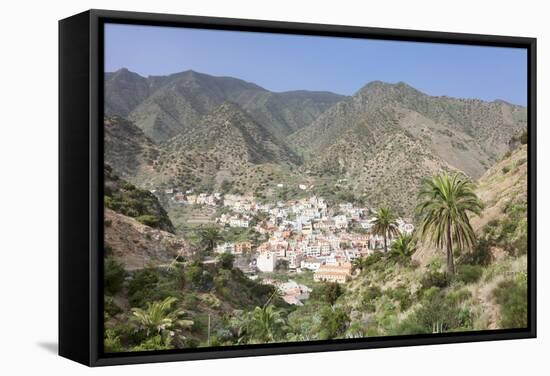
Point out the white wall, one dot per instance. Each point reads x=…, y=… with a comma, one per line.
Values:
x=28, y=213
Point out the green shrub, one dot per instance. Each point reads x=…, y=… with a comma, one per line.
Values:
x=511, y=295
x=505, y=170
x=111, y=341
x=114, y=276
x=438, y=313
x=148, y=220
x=469, y=273
x=459, y=296
x=402, y=295
x=110, y=307
x=435, y=279
x=225, y=260
x=150, y=284
x=480, y=255
x=327, y=292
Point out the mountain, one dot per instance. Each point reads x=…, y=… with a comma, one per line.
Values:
x=194, y=130
x=387, y=137
x=467, y=133
x=124, y=91
x=226, y=145
x=164, y=106
x=126, y=148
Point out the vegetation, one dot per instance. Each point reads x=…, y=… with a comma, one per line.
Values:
x=127, y=199
x=511, y=295
x=114, y=276
x=403, y=247
x=385, y=225
x=445, y=205
x=209, y=238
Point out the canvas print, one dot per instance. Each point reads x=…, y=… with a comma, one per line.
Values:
x=271, y=188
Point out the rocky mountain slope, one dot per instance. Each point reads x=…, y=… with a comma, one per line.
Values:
x=137, y=245
x=137, y=230
x=227, y=145
x=387, y=138
x=126, y=149
x=164, y=106
x=469, y=134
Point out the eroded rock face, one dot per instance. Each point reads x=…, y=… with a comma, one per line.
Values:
x=137, y=245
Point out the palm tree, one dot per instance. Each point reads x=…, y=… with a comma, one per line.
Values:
x=385, y=224
x=159, y=318
x=358, y=264
x=264, y=324
x=210, y=236
x=445, y=203
x=403, y=247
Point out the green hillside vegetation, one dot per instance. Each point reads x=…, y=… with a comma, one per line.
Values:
x=196, y=292
x=125, y=198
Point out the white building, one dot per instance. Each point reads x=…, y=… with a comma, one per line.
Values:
x=225, y=248
x=266, y=262
x=340, y=221
x=311, y=263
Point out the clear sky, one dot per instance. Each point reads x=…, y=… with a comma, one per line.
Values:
x=342, y=65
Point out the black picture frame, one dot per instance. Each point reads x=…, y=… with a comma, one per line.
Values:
x=81, y=182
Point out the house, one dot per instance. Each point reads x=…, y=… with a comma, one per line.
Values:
x=225, y=248
x=179, y=198
x=311, y=263
x=340, y=221
x=313, y=250
x=242, y=247
x=266, y=262
x=339, y=272
x=237, y=222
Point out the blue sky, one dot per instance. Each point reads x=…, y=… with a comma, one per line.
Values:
x=342, y=65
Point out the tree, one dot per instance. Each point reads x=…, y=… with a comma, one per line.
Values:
x=114, y=275
x=209, y=237
x=385, y=224
x=327, y=292
x=262, y=325
x=225, y=260
x=403, y=247
x=444, y=208
x=160, y=319
x=358, y=264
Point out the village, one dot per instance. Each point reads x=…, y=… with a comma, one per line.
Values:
x=302, y=235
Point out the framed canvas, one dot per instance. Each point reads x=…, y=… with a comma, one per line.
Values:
x=236, y=187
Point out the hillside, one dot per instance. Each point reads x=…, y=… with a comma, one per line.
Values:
x=489, y=291
x=128, y=200
x=227, y=145
x=136, y=245
x=126, y=149
x=388, y=137
x=165, y=106
x=502, y=190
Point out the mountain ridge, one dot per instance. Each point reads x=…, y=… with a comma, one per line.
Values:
x=164, y=106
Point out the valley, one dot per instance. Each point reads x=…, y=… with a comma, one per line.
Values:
x=297, y=216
